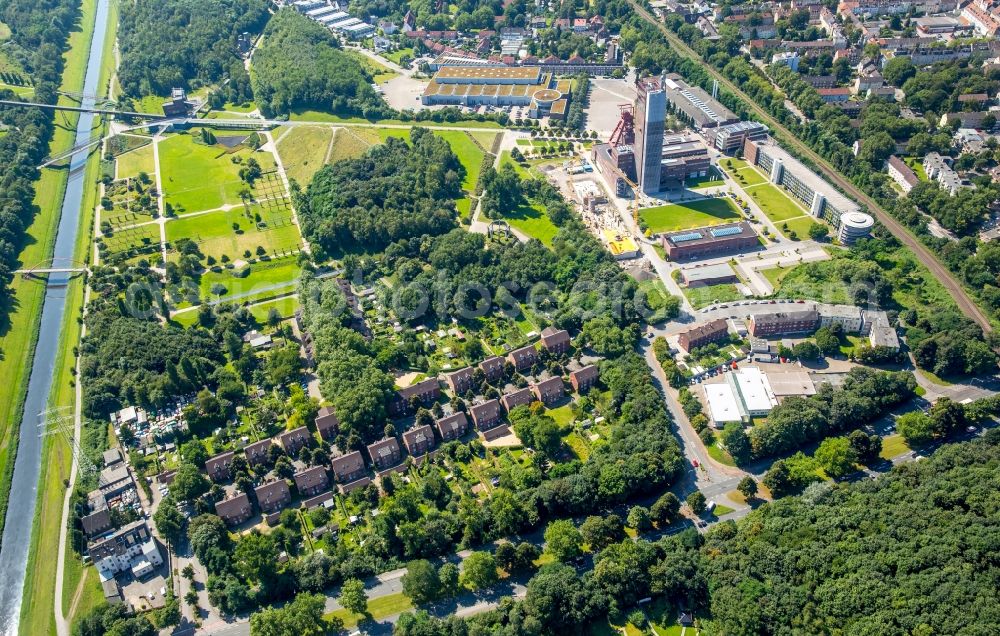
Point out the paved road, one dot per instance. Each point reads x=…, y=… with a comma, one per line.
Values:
x=955, y=289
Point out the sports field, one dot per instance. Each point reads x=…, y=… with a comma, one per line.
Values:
x=776, y=204
x=200, y=177
x=216, y=236
x=682, y=216
x=704, y=296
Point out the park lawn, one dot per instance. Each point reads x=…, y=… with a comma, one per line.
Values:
x=812, y=281
x=397, y=55
x=135, y=161
x=305, y=114
x=286, y=308
x=800, y=226
x=303, y=151
x=893, y=446
x=749, y=177
x=349, y=143
x=150, y=104
x=563, y=415
x=917, y=165
x=186, y=319
x=775, y=275
x=198, y=177
x=719, y=454
x=690, y=214
x=704, y=296
x=712, y=180
x=469, y=155
x=775, y=203
x=132, y=237
x=215, y=236
x=533, y=221
x=379, y=607
x=464, y=207
x=266, y=277
x=485, y=139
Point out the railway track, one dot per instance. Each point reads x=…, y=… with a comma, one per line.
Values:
x=954, y=288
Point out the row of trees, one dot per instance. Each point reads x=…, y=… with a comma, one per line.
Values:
x=38, y=34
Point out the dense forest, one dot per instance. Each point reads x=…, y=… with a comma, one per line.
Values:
x=913, y=553
x=301, y=65
x=396, y=190
x=183, y=43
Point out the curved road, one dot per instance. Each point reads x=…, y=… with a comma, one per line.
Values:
x=954, y=288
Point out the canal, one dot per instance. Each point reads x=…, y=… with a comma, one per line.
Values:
x=27, y=467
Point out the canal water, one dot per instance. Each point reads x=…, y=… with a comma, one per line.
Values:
x=27, y=469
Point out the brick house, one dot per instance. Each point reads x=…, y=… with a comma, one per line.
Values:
x=348, y=468
x=701, y=335
x=257, y=452
x=783, y=322
x=514, y=399
x=583, y=379
x=311, y=481
x=327, y=423
x=385, y=453
x=459, y=381
x=273, y=496
x=234, y=510
x=549, y=391
x=555, y=340
x=418, y=440
x=523, y=358
x=452, y=426
x=485, y=415
x=425, y=391
x=492, y=367
x=294, y=439
x=218, y=467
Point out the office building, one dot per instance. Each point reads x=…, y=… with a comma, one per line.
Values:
x=821, y=199
x=731, y=137
x=720, y=239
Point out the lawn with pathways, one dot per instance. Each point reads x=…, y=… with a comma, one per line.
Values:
x=215, y=235
x=303, y=150
x=200, y=177
x=800, y=226
x=266, y=279
x=775, y=203
x=533, y=221
x=135, y=161
x=689, y=214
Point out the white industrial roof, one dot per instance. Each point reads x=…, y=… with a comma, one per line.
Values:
x=755, y=390
x=722, y=403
